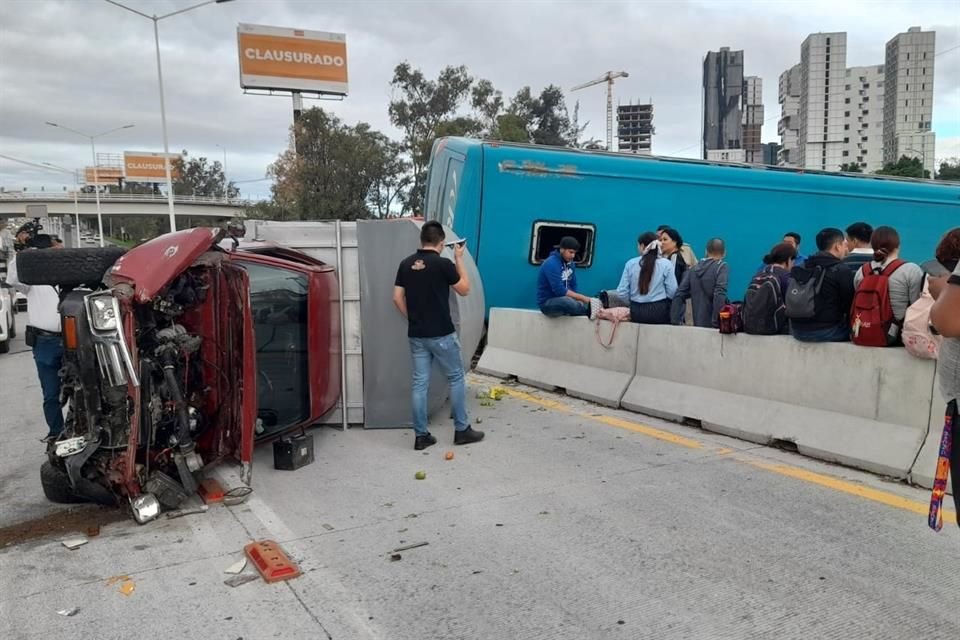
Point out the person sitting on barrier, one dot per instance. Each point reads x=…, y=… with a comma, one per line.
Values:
x=557, y=284
x=820, y=292
x=904, y=282
x=793, y=238
x=421, y=293
x=685, y=251
x=858, y=241
x=670, y=243
x=706, y=286
x=763, y=310
x=945, y=320
x=649, y=281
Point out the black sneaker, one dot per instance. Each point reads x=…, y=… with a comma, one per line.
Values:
x=467, y=436
x=422, y=442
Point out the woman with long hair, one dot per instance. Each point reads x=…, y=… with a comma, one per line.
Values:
x=670, y=243
x=905, y=283
x=649, y=281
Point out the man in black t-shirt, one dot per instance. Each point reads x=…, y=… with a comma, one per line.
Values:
x=422, y=294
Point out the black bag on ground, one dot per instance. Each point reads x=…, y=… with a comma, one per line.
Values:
x=763, y=310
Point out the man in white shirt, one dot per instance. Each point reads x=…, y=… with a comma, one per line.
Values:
x=43, y=322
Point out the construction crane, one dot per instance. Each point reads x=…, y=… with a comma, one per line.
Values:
x=608, y=77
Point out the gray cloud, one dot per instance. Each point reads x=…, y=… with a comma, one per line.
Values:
x=90, y=66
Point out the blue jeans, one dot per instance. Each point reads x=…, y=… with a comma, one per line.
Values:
x=564, y=306
x=48, y=356
x=445, y=350
x=830, y=334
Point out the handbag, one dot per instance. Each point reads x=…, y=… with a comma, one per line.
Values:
x=615, y=315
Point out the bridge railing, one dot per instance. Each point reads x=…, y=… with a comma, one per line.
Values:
x=121, y=197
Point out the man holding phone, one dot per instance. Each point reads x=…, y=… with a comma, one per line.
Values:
x=422, y=294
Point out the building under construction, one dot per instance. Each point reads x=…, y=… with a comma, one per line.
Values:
x=635, y=128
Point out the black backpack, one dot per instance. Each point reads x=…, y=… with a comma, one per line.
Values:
x=763, y=311
x=801, y=297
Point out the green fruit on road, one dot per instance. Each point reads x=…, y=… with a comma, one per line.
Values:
x=420, y=475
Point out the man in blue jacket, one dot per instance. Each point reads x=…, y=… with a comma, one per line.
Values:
x=557, y=284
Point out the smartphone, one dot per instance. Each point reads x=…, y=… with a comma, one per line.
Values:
x=454, y=243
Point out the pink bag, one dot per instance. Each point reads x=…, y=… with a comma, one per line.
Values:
x=916, y=332
x=616, y=315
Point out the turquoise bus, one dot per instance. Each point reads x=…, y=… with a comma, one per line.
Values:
x=513, y=203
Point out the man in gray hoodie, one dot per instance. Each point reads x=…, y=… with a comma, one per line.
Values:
x=706, y=286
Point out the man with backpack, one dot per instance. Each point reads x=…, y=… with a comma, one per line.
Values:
x=763, y=311
x=820, y=292
x=706, y=286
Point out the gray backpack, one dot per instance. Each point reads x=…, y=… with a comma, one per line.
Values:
x=801, y=297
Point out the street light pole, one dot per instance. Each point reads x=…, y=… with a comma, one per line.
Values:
x=163, y=109
x=93, y=154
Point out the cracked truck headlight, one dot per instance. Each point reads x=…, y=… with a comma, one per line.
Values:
x=104, y=312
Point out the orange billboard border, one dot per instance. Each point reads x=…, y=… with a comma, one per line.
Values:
x=151, y=167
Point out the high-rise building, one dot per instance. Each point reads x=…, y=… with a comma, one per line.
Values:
x=635, y=128
x=908, y=98
x=789, y=124
x=722, y=99
x=863, y=117
x=770, y=152
x=752, y=118
x=823, y=64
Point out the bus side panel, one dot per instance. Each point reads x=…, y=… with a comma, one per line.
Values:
x=750, y=218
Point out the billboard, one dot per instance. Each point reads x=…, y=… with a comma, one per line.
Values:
x=145, y=166
x=292, y=59
x=104, y=175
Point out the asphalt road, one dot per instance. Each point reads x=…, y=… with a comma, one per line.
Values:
x=569, y=521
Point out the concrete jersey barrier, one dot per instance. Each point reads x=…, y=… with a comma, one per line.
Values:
x=560, y=352
x=872, y=409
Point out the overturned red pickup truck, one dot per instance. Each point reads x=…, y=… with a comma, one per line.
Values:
x=180, y=354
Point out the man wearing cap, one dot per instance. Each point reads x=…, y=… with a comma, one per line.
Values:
x=43, y=333
x=557, y=284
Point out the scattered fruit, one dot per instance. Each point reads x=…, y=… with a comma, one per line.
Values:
x=449, y=455
x=420, y=475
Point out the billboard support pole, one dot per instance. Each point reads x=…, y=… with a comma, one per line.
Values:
x=297, y=112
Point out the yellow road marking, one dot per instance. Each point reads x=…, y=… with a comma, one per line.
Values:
x=829, y=482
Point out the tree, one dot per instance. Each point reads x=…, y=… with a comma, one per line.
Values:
x=419, y=110
x=336, y=173
x=905, y=167
x=196, y=177
x=949, y=169
x=851, y=167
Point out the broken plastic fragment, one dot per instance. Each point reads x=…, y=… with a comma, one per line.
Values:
x=127, y=587
x=236, y=567
x=75, y=542
x=243, y=578
x=72, y=611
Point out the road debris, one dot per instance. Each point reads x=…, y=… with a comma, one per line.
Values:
x=75, y=542
x=243, y=578
x=127, y=587
x=407, y=547
x=179, y=513
x=270, y=560
x=448, y=455
x=237, y=566
x=69, y=613
x=395, y=557
x=328, y=527
x=420, y=475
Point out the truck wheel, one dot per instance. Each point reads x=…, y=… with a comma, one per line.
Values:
x=66, y=267
x=56, y=484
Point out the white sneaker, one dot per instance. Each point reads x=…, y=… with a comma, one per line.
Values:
x=595, y=307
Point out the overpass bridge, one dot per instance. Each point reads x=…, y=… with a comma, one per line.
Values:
x=19, y=204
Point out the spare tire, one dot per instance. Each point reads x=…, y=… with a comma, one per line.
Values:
x=66, y=267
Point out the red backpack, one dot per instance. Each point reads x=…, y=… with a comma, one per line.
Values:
x=871, y=316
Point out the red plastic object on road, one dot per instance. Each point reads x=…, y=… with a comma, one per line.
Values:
x=270, y=560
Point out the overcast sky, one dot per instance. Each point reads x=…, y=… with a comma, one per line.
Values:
x=91, y=66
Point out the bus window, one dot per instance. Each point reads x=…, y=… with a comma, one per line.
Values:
x=546, y=236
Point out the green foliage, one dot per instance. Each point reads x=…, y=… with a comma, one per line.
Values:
x=851, y=167
x=949, y=170
x=336, y=172
x=905, y=167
